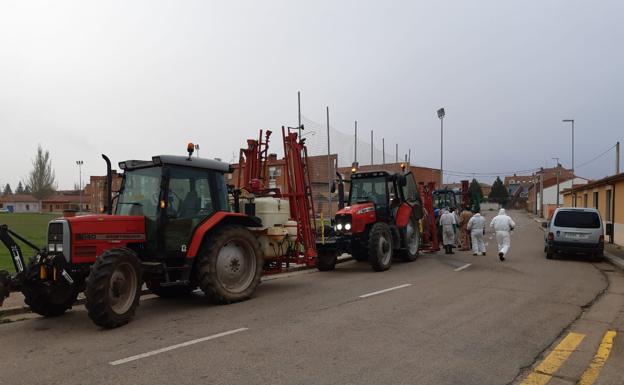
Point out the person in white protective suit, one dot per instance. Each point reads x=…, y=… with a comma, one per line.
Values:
x=503, y=225
x=476, y=227
x=449, y=224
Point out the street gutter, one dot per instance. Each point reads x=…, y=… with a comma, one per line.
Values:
x=16, y=310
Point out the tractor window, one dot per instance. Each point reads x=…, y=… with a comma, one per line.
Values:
x=140, y=193
x=410, y=190
x=369, y=190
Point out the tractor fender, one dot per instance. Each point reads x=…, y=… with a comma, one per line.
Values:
x=218, y=219
x=403, y=215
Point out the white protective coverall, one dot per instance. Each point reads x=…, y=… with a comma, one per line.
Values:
x=447, y=221
x=476, y=226
x=503, y=225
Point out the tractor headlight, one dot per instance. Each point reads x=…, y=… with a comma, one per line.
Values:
x=339, y=226
x=347, y=226
x=59, y=247
x=51, y=247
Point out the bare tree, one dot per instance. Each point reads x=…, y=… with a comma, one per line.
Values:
x=41, y=179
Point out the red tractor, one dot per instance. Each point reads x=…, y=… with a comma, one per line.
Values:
x=175, y=227
x=379, y=222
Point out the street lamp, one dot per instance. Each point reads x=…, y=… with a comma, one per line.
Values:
x=80, y=163
x=441, y=116
x=571, y=121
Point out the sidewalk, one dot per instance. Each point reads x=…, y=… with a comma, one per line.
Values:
x=612, y=252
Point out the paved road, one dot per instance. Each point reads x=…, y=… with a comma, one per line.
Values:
x=487, y=323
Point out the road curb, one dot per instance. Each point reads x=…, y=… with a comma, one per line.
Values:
x=16, y=310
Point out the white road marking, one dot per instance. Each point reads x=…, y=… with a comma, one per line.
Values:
x=172, y=347
x=463, y=267
x=385, y=290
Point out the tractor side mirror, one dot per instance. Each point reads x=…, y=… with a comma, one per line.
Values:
x=333, y=187
x=401, y=180
x=545, y=224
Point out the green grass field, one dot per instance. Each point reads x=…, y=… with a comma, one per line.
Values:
x=33, y=227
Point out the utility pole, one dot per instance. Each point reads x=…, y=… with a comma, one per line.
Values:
x=557, y=173
x=299, y=111
x=330, y=176
x=535, y=193
x=541, y=207
x=617, y=158
x=571, y=121
x=383, y=150
x=372, y=162
x=80, y=163
x=355, y=157
x=396, y=154
x=409, y=156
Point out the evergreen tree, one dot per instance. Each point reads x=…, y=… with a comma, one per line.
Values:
x=7, y=190
x=41, y=179
x=475, y=189
x=20, y=188
x=499, y=192
x=27, y=189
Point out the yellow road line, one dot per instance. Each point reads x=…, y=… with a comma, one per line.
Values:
x=592, y=372
x=544, y=371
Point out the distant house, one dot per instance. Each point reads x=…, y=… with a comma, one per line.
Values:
x=20, y=203
x=65, y=200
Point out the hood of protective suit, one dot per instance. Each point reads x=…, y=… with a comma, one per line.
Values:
x=501, y=212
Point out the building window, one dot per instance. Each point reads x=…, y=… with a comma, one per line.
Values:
x=596, y=200
x=574, y=200
x=274, y=172
x=608, y=205
x=27, y=207
x=585, y=200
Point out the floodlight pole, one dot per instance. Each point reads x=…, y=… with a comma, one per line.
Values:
x=441, y=115
x=80, y=163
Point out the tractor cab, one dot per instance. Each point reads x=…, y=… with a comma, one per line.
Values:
x=174, y=194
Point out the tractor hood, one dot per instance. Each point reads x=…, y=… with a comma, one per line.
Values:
x=357, y=209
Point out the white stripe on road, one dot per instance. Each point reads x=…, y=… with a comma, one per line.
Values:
x=385, y=290
x=463, y=267
x=168, y=348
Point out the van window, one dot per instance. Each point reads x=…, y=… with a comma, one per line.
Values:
x=578, y=219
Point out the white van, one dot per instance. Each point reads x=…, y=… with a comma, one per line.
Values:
x=575, y=230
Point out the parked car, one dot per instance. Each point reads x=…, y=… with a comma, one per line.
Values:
x=574, y=230
x=4, y=211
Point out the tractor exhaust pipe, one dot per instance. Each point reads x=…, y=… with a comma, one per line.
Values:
x=109, y=185
x=341, y=192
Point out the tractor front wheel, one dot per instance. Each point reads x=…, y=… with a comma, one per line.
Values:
x=230, y=265
x=380, y=248
x=114, y=288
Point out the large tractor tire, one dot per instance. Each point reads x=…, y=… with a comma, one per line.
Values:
x=412, y=241
x=380, y=248
x=169, y=291
x=230, y=265
x=114, y=288
x=48, y=302
x=326, y=261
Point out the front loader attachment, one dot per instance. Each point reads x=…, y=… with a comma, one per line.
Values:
x=10, y=283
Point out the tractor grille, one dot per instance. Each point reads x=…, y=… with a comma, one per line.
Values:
x=55, y=233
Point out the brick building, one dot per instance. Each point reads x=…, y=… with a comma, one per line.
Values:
x=95, y=190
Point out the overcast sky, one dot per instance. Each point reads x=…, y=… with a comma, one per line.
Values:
x=137, y=78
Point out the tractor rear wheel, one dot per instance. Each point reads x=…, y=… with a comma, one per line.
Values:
x=380, y=248
x=48, y=301
x=230, y=267
x=412, y=241
x=113, y=288
x=326, y=260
